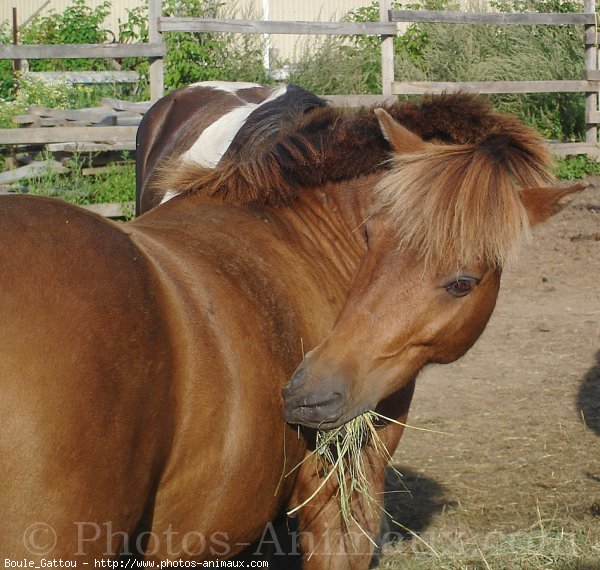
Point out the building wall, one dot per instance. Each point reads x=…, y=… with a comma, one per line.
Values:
x=281, y=46
x=286, y=46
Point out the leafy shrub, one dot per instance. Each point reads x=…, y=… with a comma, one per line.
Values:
x=445, y=52
x=76, y=24
x=576, y=167
x=6, y=82
x=116, y=184
x=193, y=57
x=135, y=30
x=35, y=91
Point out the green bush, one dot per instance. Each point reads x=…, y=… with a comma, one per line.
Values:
x=193, y=57
x=438, y=52
x=76, y=24
x=35, y=91
x=135, y=30
x=116, y=184
x=576, y=167
x=6, y=73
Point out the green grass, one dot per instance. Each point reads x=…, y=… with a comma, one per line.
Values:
x=576, y=167
x=116, y=184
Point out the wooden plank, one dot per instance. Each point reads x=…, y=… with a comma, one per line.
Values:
x=92, y=147
x=359, y=100
x=592, y=74
x=127, y=120
x=66, y=134
x=132, y=106
x=489, y=87
x=571, y=149
x=25, y=119
x=78, y=51
x=100, y=116
x=88, y=114
x=527, y=18
x=276, y=27
x=590, y=37
x=29, y=121
x=87, y=77
x=593, y=117
x=113, y=210
x=32, y=171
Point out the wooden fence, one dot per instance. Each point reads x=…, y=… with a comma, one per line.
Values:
x=386, y=28
x=108, y=137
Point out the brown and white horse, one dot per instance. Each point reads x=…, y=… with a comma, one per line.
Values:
x=202, y=122
x=147, y=369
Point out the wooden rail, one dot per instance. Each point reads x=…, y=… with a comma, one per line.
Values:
x=44, y=135
x=496, y=19
x=81, y=51
x=275, y=27
x=494, y=87
x=88, y=77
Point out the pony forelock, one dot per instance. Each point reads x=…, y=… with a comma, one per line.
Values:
x=459, y=205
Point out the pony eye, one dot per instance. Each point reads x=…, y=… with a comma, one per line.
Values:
x=461, y=286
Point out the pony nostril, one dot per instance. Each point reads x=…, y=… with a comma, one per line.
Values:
x=297, y=382
x=315, y=409
x=322, y=401
x=287, y=390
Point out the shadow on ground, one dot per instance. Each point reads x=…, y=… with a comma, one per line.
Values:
x=410, y=504
x=411, y=501
x=588, y=398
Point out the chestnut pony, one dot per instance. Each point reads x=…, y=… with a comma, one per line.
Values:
x=148, y=369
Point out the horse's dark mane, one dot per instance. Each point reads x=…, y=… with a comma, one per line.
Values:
x=272, y=161
x=261, y=129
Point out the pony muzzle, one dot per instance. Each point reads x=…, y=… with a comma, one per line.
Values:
x=314, y=406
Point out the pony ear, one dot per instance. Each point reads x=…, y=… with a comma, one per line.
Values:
x=401, y=139
x=543, y=203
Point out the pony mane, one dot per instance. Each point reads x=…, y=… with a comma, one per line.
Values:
x=459, y=205
x=454, y=201
x=318, y=143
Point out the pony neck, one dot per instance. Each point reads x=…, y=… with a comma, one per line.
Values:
x=328, y=222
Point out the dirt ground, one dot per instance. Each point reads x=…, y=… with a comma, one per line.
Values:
x=523, y=411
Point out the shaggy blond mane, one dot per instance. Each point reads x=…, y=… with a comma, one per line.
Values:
x=459, y=205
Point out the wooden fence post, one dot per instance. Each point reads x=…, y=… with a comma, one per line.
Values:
x=591, y=64
x=157, y=84
x=15, y=29
x=387, y=51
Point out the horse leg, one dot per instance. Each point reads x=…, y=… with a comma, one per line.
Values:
x=327, y=541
